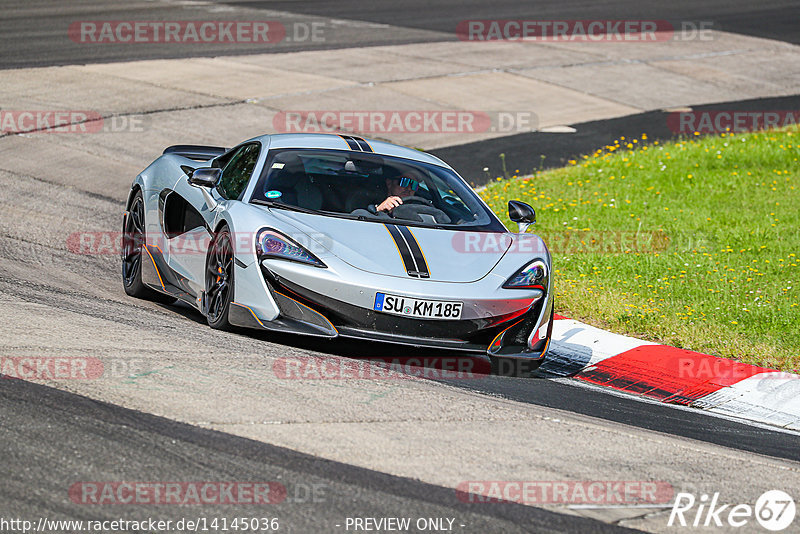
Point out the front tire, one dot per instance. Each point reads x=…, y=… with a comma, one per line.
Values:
x=219, y=280
x=133, y=238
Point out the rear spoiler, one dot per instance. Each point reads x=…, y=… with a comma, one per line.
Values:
x=197, y=152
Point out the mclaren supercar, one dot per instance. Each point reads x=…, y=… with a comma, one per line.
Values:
x=335, y=235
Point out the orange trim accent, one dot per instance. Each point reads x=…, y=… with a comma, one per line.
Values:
x=369, y=145
x=251, y=311
x=160, y=281
x=503, y=332
x=345, y=140
x=307, y=307
x=546, y=345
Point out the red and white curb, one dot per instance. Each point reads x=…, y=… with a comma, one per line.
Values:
x=673, y=376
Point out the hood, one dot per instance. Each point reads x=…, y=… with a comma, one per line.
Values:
x=450, y=256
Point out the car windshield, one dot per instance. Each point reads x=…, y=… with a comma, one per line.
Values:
x=371, y=187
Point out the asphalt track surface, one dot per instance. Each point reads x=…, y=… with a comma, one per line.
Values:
x=652, y=416
x=34, y=33
x=52, y=438
x=91, y=439
x=774, y=20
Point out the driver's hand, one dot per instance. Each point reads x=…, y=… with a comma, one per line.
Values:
x=389, y=204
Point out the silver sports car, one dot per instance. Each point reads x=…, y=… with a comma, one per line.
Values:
x=334, y=235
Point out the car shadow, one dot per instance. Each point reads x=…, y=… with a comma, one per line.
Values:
x=564, y=359
x=401, y=358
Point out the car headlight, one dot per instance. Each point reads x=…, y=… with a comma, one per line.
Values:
x=532, y=276
x=273, y=244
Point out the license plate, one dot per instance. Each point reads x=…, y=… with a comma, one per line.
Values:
x=411, y=307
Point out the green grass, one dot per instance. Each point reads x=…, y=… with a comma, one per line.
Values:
x=693, y=243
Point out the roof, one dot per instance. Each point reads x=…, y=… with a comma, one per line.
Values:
x=337, y=142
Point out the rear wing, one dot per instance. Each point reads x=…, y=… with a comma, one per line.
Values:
x=196, y=152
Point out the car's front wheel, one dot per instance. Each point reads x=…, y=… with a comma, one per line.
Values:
x=133, y=239
x=219, y=280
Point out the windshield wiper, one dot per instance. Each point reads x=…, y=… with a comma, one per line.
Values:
x=274, y=204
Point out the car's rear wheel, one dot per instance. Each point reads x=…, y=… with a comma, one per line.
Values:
x=219, y=280
x=133, y=238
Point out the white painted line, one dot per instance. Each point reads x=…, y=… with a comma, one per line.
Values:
x=647, y=400
x=768, y=397
x=576, y=345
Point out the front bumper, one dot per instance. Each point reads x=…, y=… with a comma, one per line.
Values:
x=500, y=326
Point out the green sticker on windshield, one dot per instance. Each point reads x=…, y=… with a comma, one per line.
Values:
x=273, y=194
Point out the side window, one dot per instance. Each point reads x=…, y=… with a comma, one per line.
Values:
x=236, y=173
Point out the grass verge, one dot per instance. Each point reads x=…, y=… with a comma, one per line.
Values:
x=693, y=243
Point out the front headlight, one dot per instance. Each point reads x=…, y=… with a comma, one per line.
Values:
x=532, y=276
x=273, y=244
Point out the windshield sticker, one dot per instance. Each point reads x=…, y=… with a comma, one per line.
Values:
x=273, y=194
x=278, y=165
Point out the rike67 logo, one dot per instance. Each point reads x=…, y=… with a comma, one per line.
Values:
x=774, y=510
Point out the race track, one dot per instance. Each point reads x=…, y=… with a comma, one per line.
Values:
x=181, y=402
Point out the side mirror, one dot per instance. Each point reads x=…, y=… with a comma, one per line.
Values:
x=205, y=177
x=522, y=214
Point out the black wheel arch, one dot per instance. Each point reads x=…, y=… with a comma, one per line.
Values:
x=135, y=188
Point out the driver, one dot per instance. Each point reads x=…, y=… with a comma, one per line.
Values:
x=402, y=186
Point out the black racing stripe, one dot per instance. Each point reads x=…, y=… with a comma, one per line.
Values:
x=363, y=144
x=402, y=247
x=350, y=142
x=416, y=251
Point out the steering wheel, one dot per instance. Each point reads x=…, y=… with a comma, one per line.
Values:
x=414, y=199
x=411, y=199
x=413, y=207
